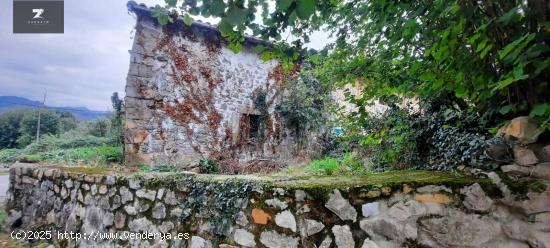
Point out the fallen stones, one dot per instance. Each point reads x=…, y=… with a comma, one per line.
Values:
x=542, y=171
x=286, y=219
x=524, y=156
x=341, y=207
x=458, y=230
x=476, y=199
x=523, y=129
x=273, y=239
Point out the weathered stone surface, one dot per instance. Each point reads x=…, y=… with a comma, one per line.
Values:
x=326, y=242
x=369, y=244
x=433, y=189
x=407, y=189
x=103, y=189
x=300, y=195
x=341, y=207
x=146, y=194
x=537, y=202
x=134, y=184
x=516, y=170
x=131, y=210
x=244, y=238
x=125, y=195
x=498, y=151
x=159, y=211
x=160, y=193
x=120, y=220
x=370, y=209
x=286, y=219
x=108, y=219
x=437, y=198
x=542, y=171
x=13, y=217
x=522, y=129
x=313, y=227
x=524, y=156
x=276, y=203
x=260, y=217
x=198, y=242
x=343, y=236
x=170, y=198
x=272, y=239
x=458, y=230
x=476, y=199
x=241, y=219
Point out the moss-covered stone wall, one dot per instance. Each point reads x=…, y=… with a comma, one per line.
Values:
x=392, y=209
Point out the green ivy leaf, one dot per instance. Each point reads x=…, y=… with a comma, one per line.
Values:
x=171, y=3
x=305, y=8
x=224, y=27
x=283, y=5
x=236, y=16
x=217, y=8
x=506, y=109
x=188, y=20
x=540, y=110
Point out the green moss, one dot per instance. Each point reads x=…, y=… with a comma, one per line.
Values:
x=389, y=178
x=523, y=185
x=88, y=170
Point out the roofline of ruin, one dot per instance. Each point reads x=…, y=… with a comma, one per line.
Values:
x=141, y=10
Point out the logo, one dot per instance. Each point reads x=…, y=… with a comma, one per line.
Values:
x=40, y=16
x=38, y=13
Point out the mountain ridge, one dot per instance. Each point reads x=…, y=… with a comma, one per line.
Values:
x=17, y=102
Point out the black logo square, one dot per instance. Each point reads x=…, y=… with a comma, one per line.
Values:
x=38, y=16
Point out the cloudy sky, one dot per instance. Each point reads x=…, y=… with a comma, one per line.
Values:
x=81, y=67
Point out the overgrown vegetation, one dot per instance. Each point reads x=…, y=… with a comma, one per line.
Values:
x=347, y=164
x=63, y=139
x=470, y=65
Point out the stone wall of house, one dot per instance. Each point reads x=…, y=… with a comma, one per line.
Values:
x=189, y=97
x=225, y=212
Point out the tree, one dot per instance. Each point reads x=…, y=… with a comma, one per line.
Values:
x=49, y=121
x=117, y=119
x=9, y=124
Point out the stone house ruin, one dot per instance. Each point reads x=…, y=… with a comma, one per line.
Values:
x=188, y=98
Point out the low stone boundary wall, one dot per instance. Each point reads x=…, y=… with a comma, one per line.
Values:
x=227, y=211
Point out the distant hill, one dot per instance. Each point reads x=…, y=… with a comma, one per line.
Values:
x=81, y=113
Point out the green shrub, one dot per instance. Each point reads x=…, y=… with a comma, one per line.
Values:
x=71, y=139
x=327, y=166
x=10, y=155
x=209, y=166
x=353, y=163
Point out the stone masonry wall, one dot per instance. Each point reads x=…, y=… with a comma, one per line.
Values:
x=225, y=212
x=188, y=97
